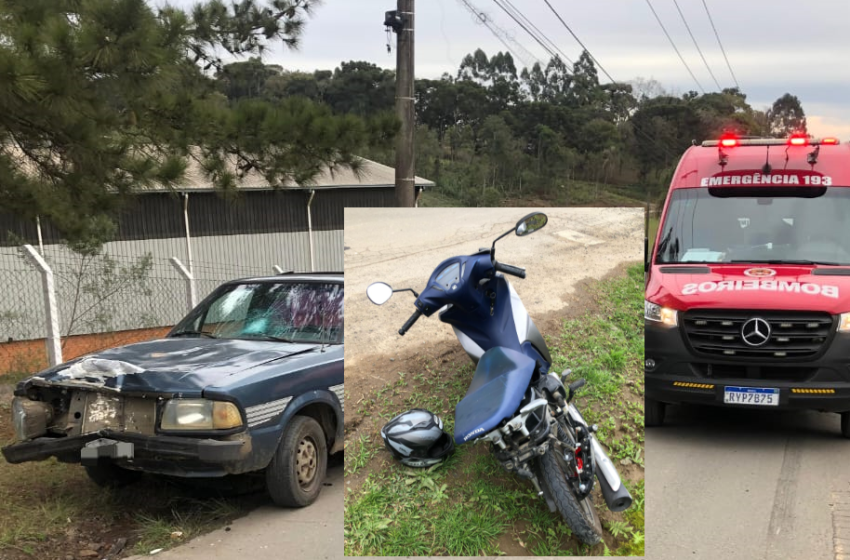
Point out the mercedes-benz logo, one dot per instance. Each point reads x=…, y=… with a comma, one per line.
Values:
x=756, y=332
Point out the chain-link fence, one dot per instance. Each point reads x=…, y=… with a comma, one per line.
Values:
x=102, y=300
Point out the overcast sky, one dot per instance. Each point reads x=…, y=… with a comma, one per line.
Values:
x=774, y=46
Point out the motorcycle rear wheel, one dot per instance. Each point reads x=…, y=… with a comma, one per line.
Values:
x=580, y=515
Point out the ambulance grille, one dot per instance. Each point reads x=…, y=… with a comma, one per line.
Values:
x=793, y=334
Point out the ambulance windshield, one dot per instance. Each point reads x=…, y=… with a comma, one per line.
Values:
x=757, y=225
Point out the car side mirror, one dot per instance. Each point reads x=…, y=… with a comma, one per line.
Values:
x=531, y=223
x=379, y=293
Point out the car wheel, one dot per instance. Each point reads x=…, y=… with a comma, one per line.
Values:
x=654, y=412
x=845, y=424
x=110, y=475
x=295, y=476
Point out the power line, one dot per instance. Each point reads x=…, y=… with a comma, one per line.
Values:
x=675, y=48
x=593, y=58
x=704, y=61
x=525, y=28
x=613, y=81
x=516, y=17
x=524, y=55
x=531, y=24
x=721, y=45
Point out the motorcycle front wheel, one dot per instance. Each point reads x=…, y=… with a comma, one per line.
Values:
x=580, y=515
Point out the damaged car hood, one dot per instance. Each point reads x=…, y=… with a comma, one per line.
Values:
x=172, y=366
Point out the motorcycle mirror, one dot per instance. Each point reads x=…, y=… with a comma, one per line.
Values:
x=379, y=293
x=531, y=223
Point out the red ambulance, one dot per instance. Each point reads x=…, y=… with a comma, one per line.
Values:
x=748, y=285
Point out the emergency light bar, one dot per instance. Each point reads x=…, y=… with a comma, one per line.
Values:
x=731, y=142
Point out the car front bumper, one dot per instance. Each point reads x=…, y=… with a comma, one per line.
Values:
x=681, y=376
x=178, y=456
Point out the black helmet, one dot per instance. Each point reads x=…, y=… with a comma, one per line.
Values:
x=416, y=438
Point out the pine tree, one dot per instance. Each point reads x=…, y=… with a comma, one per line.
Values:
x=99, y=98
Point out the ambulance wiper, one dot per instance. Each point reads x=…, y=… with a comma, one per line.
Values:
x=786, y=261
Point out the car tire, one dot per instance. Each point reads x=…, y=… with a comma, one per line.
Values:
x=845, y=424
x=654, y=412
x=110, y=475
x=295, y=476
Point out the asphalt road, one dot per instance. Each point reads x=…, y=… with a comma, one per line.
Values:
x=271, y=533
x=742, y=484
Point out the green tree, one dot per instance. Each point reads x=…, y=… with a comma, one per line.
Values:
x=585, y=90
x=361, y=88
x=101, y=97
x=786, y=117
x=246, y=79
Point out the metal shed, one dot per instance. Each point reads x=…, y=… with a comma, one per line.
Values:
x=298, y=228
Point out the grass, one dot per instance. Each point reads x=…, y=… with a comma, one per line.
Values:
x=469, y=505
x=654, y=222
x=194, y=518
x=45, y=502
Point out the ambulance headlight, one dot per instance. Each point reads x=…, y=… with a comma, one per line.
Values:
x=844, y=322
x=659, y=314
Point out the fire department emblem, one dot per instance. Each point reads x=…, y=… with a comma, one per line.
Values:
x=760, y=272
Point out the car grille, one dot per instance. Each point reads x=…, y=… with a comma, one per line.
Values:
x=755, y=371
x=793, y=334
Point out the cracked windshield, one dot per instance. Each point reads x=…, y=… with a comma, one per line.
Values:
x=773, y=226
x=305, y=312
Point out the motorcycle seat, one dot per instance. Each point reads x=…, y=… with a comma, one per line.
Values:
x=497, y=388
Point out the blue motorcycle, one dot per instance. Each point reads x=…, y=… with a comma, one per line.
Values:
x=514, y=402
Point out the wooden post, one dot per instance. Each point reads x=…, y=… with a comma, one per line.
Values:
x=404, y=160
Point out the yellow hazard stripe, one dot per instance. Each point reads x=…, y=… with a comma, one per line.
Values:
x=693, y=385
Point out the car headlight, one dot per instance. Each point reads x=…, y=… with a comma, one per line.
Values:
x=199, y=414
x=655, y=312
x=844, y=322
x=30, y=418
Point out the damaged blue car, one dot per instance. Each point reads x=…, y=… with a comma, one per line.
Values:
x=251, y=380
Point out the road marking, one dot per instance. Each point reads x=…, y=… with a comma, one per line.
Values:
x=578, y=237
x=841, y=524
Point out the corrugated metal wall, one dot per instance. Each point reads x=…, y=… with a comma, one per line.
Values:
x=229, y=240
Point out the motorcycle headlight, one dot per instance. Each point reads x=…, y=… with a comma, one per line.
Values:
x=30, y=418
x=199, y=414
x=664, y=315
x=844, y=322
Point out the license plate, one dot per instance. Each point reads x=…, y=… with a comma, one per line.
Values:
x=756, y=396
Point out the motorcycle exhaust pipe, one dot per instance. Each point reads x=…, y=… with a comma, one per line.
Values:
x=617, y=498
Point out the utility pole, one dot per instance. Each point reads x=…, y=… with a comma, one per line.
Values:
x=401, y=22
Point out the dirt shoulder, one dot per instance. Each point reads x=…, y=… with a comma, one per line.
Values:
x=403, y=246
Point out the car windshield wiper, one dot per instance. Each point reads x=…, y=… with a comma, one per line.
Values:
x=785, y=261
x=195, y=333
x=269, y=337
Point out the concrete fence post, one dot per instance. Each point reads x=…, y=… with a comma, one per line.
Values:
x=51, y=310
x=191, y=293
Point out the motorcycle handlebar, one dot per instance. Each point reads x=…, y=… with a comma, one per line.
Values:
x=405, y=327
x=510, y=269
